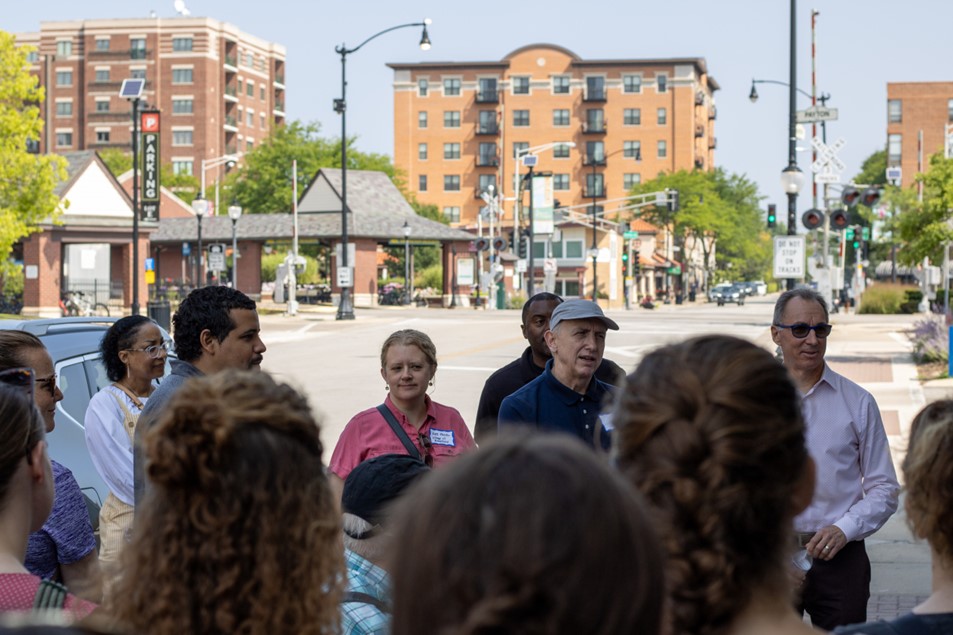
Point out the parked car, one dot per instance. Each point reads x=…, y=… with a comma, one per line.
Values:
x=717, y=290
x=73, y=344
x=761, y=286
x=749, y=288
x=729, y=293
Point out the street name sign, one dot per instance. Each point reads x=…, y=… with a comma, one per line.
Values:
x=789, y=256
x=629, y=235
x=816, y=114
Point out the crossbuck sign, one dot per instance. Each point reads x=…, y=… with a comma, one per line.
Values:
x=828, y=166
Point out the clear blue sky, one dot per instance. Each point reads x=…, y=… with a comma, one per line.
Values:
x=862, y=45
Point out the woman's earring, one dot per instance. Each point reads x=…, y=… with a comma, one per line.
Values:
x=386, y=387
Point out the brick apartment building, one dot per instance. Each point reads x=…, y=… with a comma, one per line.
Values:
x=219, y=90
x=458, y=127
x=918, y=114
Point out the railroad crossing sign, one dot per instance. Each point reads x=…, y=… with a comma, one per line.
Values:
x=828, y=166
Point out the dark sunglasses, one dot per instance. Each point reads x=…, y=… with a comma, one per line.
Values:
x=428, y=448
x=800, y=330
x=19, y=378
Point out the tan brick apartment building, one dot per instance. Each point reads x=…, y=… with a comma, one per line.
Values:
x=458, y=125
x=220, y=90
x=917, y=116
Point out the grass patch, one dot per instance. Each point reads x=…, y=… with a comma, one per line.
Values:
x=887, y=299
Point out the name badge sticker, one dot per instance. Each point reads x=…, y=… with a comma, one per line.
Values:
x=442, y=437
x=606, y=420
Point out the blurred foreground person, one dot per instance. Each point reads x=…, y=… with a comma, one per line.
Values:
x=238, y=532
x=533, y=534
x=369, y=494
x=928, y=478
x=711, y=432
x=26, y=496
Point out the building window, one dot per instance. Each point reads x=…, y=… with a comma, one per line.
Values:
x=64, y=49
x=894, y=110
x=250, y=118
x=250, y=88
x=596, y=88
x=451, y=151
x=33, y=57
x=662, y=116
x=573, y=249
x=632, y=117
x=661, y=82
x=422, y=119
x=181, y=137
x=64, y=78
x=632, y=84
x=486, y=91
x=894, y=147
x=181, y=75
x=182, y=167
x=560, y=181
x=632, y=150
x=249, y=145
x=595, y=185
x=182, y=106
x=631, y=180
x=487, y=154
x=519, y=147
x=452, y=214
x=422, y=183
x=137, y=48
x=451, y=183
x=487, y=122
x=137, y=73
x=486, y=182
x=64, y=139
x=423, y=87
x=520, y=117
x=561, y=84
x=520, y=85
x=102, y=106
x=561, y=117
x=595, y=152
x=261, y=93
x=662, y=149
x=422, y=151
x=451, y=118
x=102, y=45
x=102, y=136
x=949, y=109
x=250, y=60
x=102, y=74
x=595, y=120
x=181, y=44
x=451, y=87
x=561, y=151
x=64, y=109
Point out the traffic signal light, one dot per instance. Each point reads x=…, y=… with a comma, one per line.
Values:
x=871, y=196
x=524, y=238
x=772, y=215
x=636, y=268
x=813, y=218
x=625, y=262
x=850, y=196
x=838, y=219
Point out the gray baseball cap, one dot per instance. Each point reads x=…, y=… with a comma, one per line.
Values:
x=580, y=310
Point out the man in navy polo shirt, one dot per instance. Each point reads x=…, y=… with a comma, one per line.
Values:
x=567, y=397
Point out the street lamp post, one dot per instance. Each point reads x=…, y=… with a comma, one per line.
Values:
x=234, y=212
x=346, y=305
x=408, y=283
x=200, y=207
x=453, y=281
x=207, y=164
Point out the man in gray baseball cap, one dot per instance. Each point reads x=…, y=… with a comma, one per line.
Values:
x=567, y=397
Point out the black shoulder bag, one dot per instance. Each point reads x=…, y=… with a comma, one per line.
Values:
x=399, y=431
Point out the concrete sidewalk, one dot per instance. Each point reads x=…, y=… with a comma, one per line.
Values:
x=874, y=352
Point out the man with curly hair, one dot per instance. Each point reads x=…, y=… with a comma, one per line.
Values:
x=857, y=487
x=214, y=329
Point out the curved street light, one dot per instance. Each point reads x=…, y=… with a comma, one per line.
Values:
x=346, y=305
x=200, y=207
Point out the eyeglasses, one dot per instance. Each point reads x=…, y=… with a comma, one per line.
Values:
x=48, y=383
x=800, y=330
x=19, y=378
x=155, y=350
x=428, y=448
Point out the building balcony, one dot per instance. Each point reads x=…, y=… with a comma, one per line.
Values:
x=598, y=191
x=280, y=79
x=110, y=116
x=493, y=129
x=280, y=107
x=700, y=163
x=699, y=130
x=231, y=61
x=712, y=143
x=700, y=98
x=487, y=162
x=713, y=112
x=231, y=123
x=231, y=149
x=593, y=128
x=595, y=96
x=487, y=97
x=590, y=160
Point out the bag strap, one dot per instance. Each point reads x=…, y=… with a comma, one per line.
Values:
x=365, y=598
x=399, y=431
x=49, y=595
x=132, y=396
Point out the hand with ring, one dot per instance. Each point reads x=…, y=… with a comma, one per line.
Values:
x=826, y=543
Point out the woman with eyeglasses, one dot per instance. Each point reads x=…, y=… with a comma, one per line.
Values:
x=134, y=353
x=64, y=548
x=26, y=497
x=409, y=421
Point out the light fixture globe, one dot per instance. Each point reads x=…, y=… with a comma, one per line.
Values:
x=753, y=95
x=235, y=211
x=406, y=229
x=792, y=179
x=200, y=206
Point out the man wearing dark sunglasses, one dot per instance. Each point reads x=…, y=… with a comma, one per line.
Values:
x=856, y=490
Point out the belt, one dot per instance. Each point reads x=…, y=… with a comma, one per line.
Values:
x=804, y=537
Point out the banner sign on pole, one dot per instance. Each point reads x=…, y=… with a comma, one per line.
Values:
x=149, y=124
x=543, y=205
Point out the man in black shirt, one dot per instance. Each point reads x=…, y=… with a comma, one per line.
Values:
x=519, y=372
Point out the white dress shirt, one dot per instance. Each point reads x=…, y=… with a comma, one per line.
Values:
x=108, y=443
x=857, y=487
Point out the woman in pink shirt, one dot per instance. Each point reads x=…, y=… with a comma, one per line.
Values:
x=409, y=421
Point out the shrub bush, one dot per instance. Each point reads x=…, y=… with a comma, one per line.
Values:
x=883, y=299
x=930, y=338
x=430, y=277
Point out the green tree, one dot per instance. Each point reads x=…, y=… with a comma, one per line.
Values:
x=263, y=183
x=185, y=186
x=873, y=171
x=924, y=226
x=27, y=181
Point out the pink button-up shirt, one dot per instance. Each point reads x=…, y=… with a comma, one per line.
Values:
x=857, y=485
x=368, y=435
